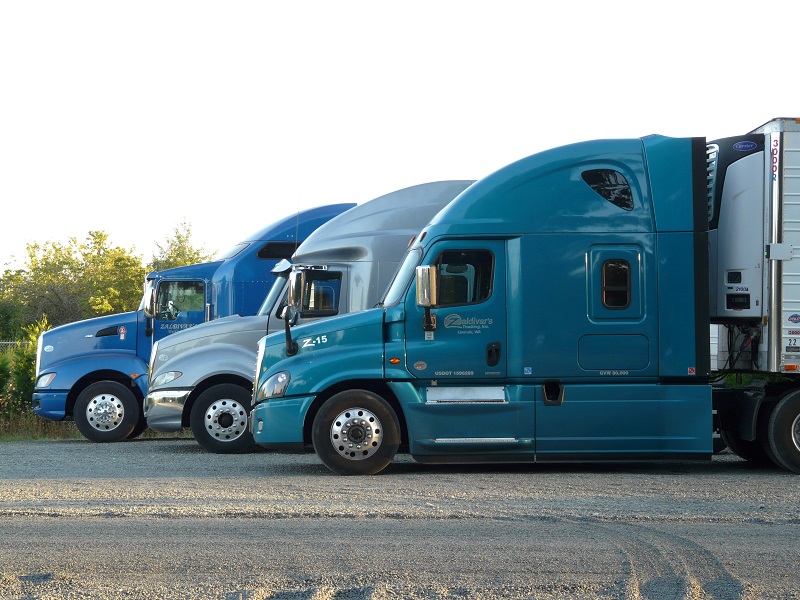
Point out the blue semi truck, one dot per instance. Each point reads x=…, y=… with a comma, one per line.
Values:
x=95, y=371
x=559, y=310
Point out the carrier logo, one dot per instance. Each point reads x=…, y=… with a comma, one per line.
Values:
x=744, y=146
x=455, y=321
x=794, y=318
x=420, y=365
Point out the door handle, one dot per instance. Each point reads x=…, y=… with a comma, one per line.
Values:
x=493, y=354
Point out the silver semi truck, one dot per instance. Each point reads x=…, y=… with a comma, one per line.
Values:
x=202, y=378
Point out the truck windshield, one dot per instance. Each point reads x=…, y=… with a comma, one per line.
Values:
x=401, y=277
x=277, y=293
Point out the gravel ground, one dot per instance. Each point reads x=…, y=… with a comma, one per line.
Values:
x=164, y=519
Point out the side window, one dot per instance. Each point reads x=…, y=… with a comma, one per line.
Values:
x=175, y=297
x=464, y=276
x=277, y=250
x=616, y=282
x=321, y=291
x=611, y=185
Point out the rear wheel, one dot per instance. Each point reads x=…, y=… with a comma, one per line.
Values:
x=356, y=433
x=751, y=451
x=219, y=419
x=106, y=411
x=784, y=432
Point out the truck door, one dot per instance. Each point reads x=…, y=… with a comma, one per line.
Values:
x=179, y=305
x=469, y=341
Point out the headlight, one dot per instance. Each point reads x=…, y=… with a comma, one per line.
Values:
x=274, y=387
x=45, y=380
x=165, y=378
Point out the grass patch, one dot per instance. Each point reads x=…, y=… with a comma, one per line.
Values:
x=28, y=426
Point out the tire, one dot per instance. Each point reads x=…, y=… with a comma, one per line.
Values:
x=784, y=432
x=751, y=451
x=356, y=433
x=219, y=419
x=140, y=428
x=106, y=411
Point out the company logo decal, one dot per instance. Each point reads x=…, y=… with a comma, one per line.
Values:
x=744, y=146
x=420, y=365
x=794, y=318
x=48, y=348
x=122, y=332
x=469, y=325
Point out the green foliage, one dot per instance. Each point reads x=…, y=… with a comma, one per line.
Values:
x=18, y=372
x=178, y=250
x=10, y=317
x=5, y=369
x=74, y=281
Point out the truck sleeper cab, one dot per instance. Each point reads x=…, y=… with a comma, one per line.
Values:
x=534, y=319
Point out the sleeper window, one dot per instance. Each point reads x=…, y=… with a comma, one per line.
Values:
x=616, y=284
x=611, y=185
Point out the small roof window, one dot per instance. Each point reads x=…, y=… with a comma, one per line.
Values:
x=611, y=185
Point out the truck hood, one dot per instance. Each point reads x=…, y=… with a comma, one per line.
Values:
x=112, y=332
x=331, y=334
x=220, y=328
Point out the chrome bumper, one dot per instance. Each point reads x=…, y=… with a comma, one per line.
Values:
x=164, y=410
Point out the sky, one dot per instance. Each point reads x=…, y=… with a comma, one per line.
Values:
x=132, y=117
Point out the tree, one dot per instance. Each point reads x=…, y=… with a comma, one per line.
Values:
x=10, y=317
x=74, y=281
x=179, y=251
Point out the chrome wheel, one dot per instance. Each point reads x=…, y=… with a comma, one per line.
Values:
x=356, y=433
x=226, y=420
x=105, y=412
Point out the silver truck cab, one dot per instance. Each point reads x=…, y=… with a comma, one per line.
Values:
x=202, y=377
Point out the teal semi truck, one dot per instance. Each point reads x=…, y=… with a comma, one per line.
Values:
x=95, y=371
x=559, y=310
x=203, y=378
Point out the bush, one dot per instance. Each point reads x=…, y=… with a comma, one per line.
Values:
x=5, y=371
x=17, y=378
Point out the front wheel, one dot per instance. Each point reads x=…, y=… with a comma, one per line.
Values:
x=219, y=419
x=784, y=432
x=356, y=433
x=106, y=411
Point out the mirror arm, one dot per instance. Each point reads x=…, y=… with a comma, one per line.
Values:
x=428, y=320
x=291, y=345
